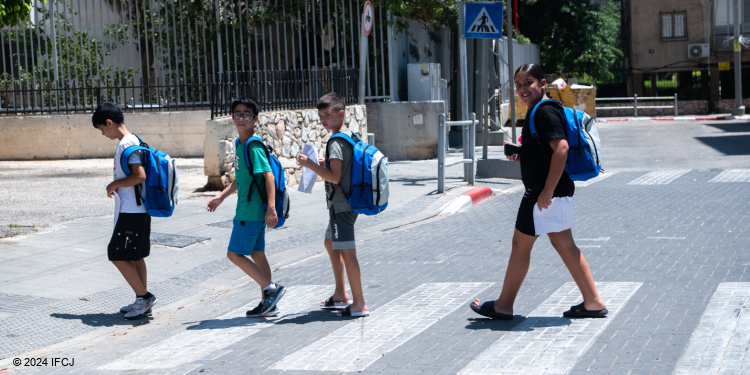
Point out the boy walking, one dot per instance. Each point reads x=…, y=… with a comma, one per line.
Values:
x=250, y=222
x=130, y=243
x=339, y=238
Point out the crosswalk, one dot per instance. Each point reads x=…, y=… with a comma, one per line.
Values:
x=665, y=177
x=542, y=342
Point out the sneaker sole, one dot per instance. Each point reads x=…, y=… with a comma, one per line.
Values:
x=148, y=312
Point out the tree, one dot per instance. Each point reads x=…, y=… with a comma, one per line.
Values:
x=14, y=12
x=575, y=36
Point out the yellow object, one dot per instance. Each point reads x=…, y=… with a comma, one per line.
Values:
x=723, y=65
x=581, y=99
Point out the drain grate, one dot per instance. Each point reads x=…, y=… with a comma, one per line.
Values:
x=174, y=240
x=222, y=224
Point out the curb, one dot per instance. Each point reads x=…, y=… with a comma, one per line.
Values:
x=671, y=118
x=472, y=197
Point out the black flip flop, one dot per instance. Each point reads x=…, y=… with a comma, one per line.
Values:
x=331, y=305
x=579, y=311
x=487, y=308
x=354, y=314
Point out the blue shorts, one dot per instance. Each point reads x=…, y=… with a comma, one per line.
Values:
x=247, y=236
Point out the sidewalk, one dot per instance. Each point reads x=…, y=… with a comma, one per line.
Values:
x=57, y=285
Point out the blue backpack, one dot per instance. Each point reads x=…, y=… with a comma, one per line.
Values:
x=159, y=192
x=282, y=195
x=584, y=153
x=369, y=191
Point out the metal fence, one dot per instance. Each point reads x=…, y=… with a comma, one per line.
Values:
x=278, y=90
x=168, y=54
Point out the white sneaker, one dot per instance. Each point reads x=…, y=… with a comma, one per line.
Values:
x=126, y=309
x=141, y=307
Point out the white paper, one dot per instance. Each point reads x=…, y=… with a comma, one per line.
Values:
x=117, y=206
x=557, y=218
x=307, y=180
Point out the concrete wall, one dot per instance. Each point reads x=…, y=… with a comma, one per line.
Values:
x=180, y=134
x=286, y=131
x=405, y=130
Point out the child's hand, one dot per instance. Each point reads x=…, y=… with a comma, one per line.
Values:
x=271, y=217
x=213, y=204
x=303, y=161
x=111, y=189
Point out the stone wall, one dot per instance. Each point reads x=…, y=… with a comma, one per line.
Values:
x=285, y=131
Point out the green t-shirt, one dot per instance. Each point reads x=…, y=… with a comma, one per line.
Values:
x=252, y=210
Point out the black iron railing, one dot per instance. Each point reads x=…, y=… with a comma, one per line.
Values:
x=282, y=89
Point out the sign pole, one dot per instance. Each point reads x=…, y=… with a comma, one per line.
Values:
x=367, y=21
x=511, y=81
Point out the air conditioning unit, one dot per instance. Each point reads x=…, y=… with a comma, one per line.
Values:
x=698, y=51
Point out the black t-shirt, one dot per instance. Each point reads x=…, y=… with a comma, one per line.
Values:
x=536, y=154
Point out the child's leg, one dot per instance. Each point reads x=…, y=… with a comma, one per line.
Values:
x=578, y=267
x=259, y=257
x=355, y=279
x=140, y=267
x=337, y=264
x=250, y=268
x=518, y=267
x=130, y=272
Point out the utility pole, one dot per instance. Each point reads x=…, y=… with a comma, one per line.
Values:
x=738, y=109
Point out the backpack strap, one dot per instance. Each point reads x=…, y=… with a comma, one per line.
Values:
x=249, y=164
x=532, y=127
x=126, y=168
x=328, y=154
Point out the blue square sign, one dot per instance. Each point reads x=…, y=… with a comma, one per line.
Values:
x=483, y=20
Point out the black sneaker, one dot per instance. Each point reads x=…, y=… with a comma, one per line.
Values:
x=255, y=313
x=271, y=297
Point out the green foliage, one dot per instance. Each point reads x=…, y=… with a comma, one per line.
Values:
x=576, y=37
x=14, y=12
x=429, y=13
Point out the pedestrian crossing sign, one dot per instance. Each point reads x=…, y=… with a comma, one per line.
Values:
x=483, y=20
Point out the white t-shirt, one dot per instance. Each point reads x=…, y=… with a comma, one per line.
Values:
x=128, y=203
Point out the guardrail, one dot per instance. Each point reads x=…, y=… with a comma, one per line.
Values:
x=635, y=100
x=469, y=155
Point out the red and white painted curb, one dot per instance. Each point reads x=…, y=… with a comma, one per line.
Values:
x=672, y=118
x=472, y=197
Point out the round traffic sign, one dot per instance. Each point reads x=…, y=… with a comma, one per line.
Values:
x=367, y=18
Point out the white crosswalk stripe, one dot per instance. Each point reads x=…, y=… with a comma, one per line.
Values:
x=659, y=177
x=547, y=343
x=362, y=342
x=197, y=344
x=596, y=179
x=721, y=343
x=732, y=175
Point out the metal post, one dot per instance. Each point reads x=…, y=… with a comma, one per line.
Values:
x=635, y=104
x=738, y=109
x=464, y=96
x=675, y=104
x=441, y=153
x=511, y=89
x=472, y=148
x=362, y=64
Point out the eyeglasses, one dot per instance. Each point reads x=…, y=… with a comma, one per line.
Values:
x=243, y=116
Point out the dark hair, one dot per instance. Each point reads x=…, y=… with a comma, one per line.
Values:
x=332, y=99
x=107, y=111
x=248, y=102
x=531, y=69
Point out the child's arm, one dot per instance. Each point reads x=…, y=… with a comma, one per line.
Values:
x=135, y=178
x=271, y=217
x=332, y=175
x=217, y=200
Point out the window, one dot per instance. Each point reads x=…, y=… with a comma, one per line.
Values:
x=674, y=26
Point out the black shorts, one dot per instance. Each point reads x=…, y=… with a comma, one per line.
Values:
x=525, y=218
x=131, y=239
